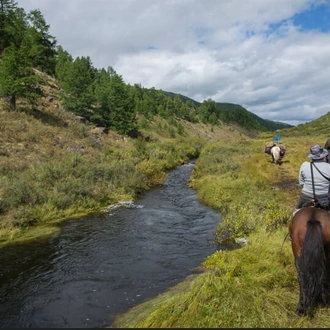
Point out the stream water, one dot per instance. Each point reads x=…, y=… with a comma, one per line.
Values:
x=101, y=265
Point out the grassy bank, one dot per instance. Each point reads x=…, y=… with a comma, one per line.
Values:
x=255, y=285
x=44, y=194
x=54, y=168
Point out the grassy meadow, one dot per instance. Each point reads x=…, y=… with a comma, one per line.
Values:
x=254, y=286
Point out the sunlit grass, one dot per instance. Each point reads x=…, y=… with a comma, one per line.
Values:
x=252, y=287
x=256, y=285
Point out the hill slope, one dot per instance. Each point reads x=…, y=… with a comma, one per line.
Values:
x=236, y=114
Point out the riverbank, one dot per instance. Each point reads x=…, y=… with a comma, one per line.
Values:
x=106, y=263
x=68, y=169
x=256, y=285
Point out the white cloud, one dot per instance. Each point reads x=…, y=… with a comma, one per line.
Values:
x=226, y=50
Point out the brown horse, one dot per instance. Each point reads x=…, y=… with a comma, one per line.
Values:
x=309, y=230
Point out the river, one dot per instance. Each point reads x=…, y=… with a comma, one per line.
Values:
x=104, y=264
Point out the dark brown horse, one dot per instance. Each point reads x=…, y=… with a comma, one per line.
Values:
x=309, y=230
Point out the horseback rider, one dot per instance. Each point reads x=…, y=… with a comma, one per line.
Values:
x=314, y=177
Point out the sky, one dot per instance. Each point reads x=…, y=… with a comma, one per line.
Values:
x=270, y=56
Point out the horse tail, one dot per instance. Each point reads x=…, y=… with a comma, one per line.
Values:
x=312, y=262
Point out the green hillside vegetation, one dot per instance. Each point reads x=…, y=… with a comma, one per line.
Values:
x=230, y=113
x=100, y=96
x=73, y=144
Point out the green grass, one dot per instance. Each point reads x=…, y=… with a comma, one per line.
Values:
x=251, y=287
x=255, y=286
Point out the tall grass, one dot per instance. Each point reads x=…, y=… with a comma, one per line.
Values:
x=79, y=183
x=254, y=286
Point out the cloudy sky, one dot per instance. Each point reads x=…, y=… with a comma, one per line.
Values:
x=270, y=56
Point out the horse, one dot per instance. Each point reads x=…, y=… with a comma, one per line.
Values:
x=309, y=231
x=276, y=154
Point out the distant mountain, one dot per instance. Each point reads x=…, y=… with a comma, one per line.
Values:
x=235, y=113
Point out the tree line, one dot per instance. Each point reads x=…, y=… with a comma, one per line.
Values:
x=99, y=95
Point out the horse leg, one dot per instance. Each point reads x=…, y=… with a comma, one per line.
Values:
x=277, y=158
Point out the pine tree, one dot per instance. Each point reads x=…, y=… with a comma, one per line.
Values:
x=17, y=78
x=42, y=45
x=12, y=24
x=121, y=105
x=64, y=62
x=77, y=85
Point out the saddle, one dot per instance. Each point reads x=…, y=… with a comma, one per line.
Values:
x=313, y=203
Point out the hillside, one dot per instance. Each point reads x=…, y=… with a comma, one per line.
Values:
x=319, y=126
x=45, y=130
x=237, y=115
